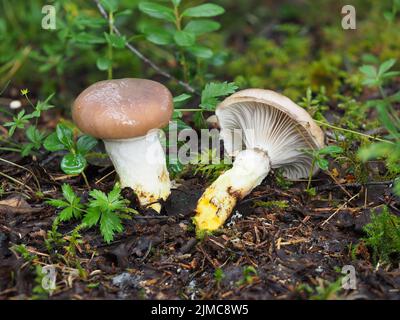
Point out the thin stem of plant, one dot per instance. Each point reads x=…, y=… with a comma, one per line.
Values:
x=110, y=48
x=142, y=57
x=352, y=131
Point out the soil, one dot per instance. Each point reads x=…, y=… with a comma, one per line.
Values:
x=158, y=256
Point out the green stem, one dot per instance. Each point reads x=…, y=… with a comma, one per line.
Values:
x=311, y=174
x=10, y=149
x=352, y=131
x=110, y=48
x=178, y=24
x=86, y=180
x=190, y=110
x=391, y=112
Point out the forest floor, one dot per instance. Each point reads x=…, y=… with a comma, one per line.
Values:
x=295, y=250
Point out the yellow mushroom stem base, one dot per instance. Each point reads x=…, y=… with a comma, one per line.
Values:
x=217, y=202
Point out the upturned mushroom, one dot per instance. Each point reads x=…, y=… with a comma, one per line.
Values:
x=126, y=114
x=263, y=130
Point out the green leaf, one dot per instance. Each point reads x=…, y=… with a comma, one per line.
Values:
x=110, y=5
x=91, y=217
x=369, y=71
x=65, y=136
x=202, y=26
x=52, y=143
x=87, y=38
x=103, y=63
x=35, y=136
x=181, y=99
x=395, y=97
x=57, y=203
x=72, y=207
x=375, y=150
x=73, y=163
x=204, y=10
x=200, y=52
x=158, y=11
x=383, y=114
x=115, y=40
x=158, y=36
x=66, y=214
x=26, y=149
x=184, y=39
x=85, y=143
x=212, y=91
x=322, y=163
x=176, y=3
x=385, y=66
x=68, y=193
x=330, y=150
x=100, y=199
x=109, y=224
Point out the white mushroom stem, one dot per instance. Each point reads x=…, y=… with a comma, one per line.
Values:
x=217, y=202
x=141, y=165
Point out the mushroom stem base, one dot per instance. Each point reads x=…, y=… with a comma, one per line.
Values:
x=140, y=164
x=217, y=202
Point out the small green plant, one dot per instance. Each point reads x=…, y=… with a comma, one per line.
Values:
x=281, y=180
x=206, y=168
x=113, y=40
x=107, y=210
x=325, y=290
x=390, y=150
x=22, y=119
x=219, y=275
x=390, y=16
x=72, y=206
x=74, y=162
x=283, y=204
x=248, y=276
x=383, y=237
x=184, y=27
x=319, y=160
x=315, y=105
x=24, y=252
x=210, y=97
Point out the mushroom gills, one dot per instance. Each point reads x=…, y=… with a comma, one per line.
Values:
x=141, y=165
x=214, y=207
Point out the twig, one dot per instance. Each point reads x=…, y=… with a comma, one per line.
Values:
x=338, y=209
x=142, y=57
x=353, y=185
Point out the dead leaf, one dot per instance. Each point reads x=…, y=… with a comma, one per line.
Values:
x=17, y=204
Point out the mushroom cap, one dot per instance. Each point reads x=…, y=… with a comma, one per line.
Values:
x=122, y=108
x=271, y=122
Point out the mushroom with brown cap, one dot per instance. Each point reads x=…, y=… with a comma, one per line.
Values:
x=263, y=130
x=125, y=114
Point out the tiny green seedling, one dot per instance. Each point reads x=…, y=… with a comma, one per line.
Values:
x=249, y=274
x=107, y=210
x=390, y=150
x=319, y=160
x=74, y=162
x=219, y=275
x=383, y=237
x=210, y=97
x=34, y=135
x=71, y=206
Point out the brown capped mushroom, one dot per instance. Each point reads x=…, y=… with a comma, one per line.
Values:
x=126, y=114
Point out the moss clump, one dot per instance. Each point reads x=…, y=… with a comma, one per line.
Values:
x=383, y=237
